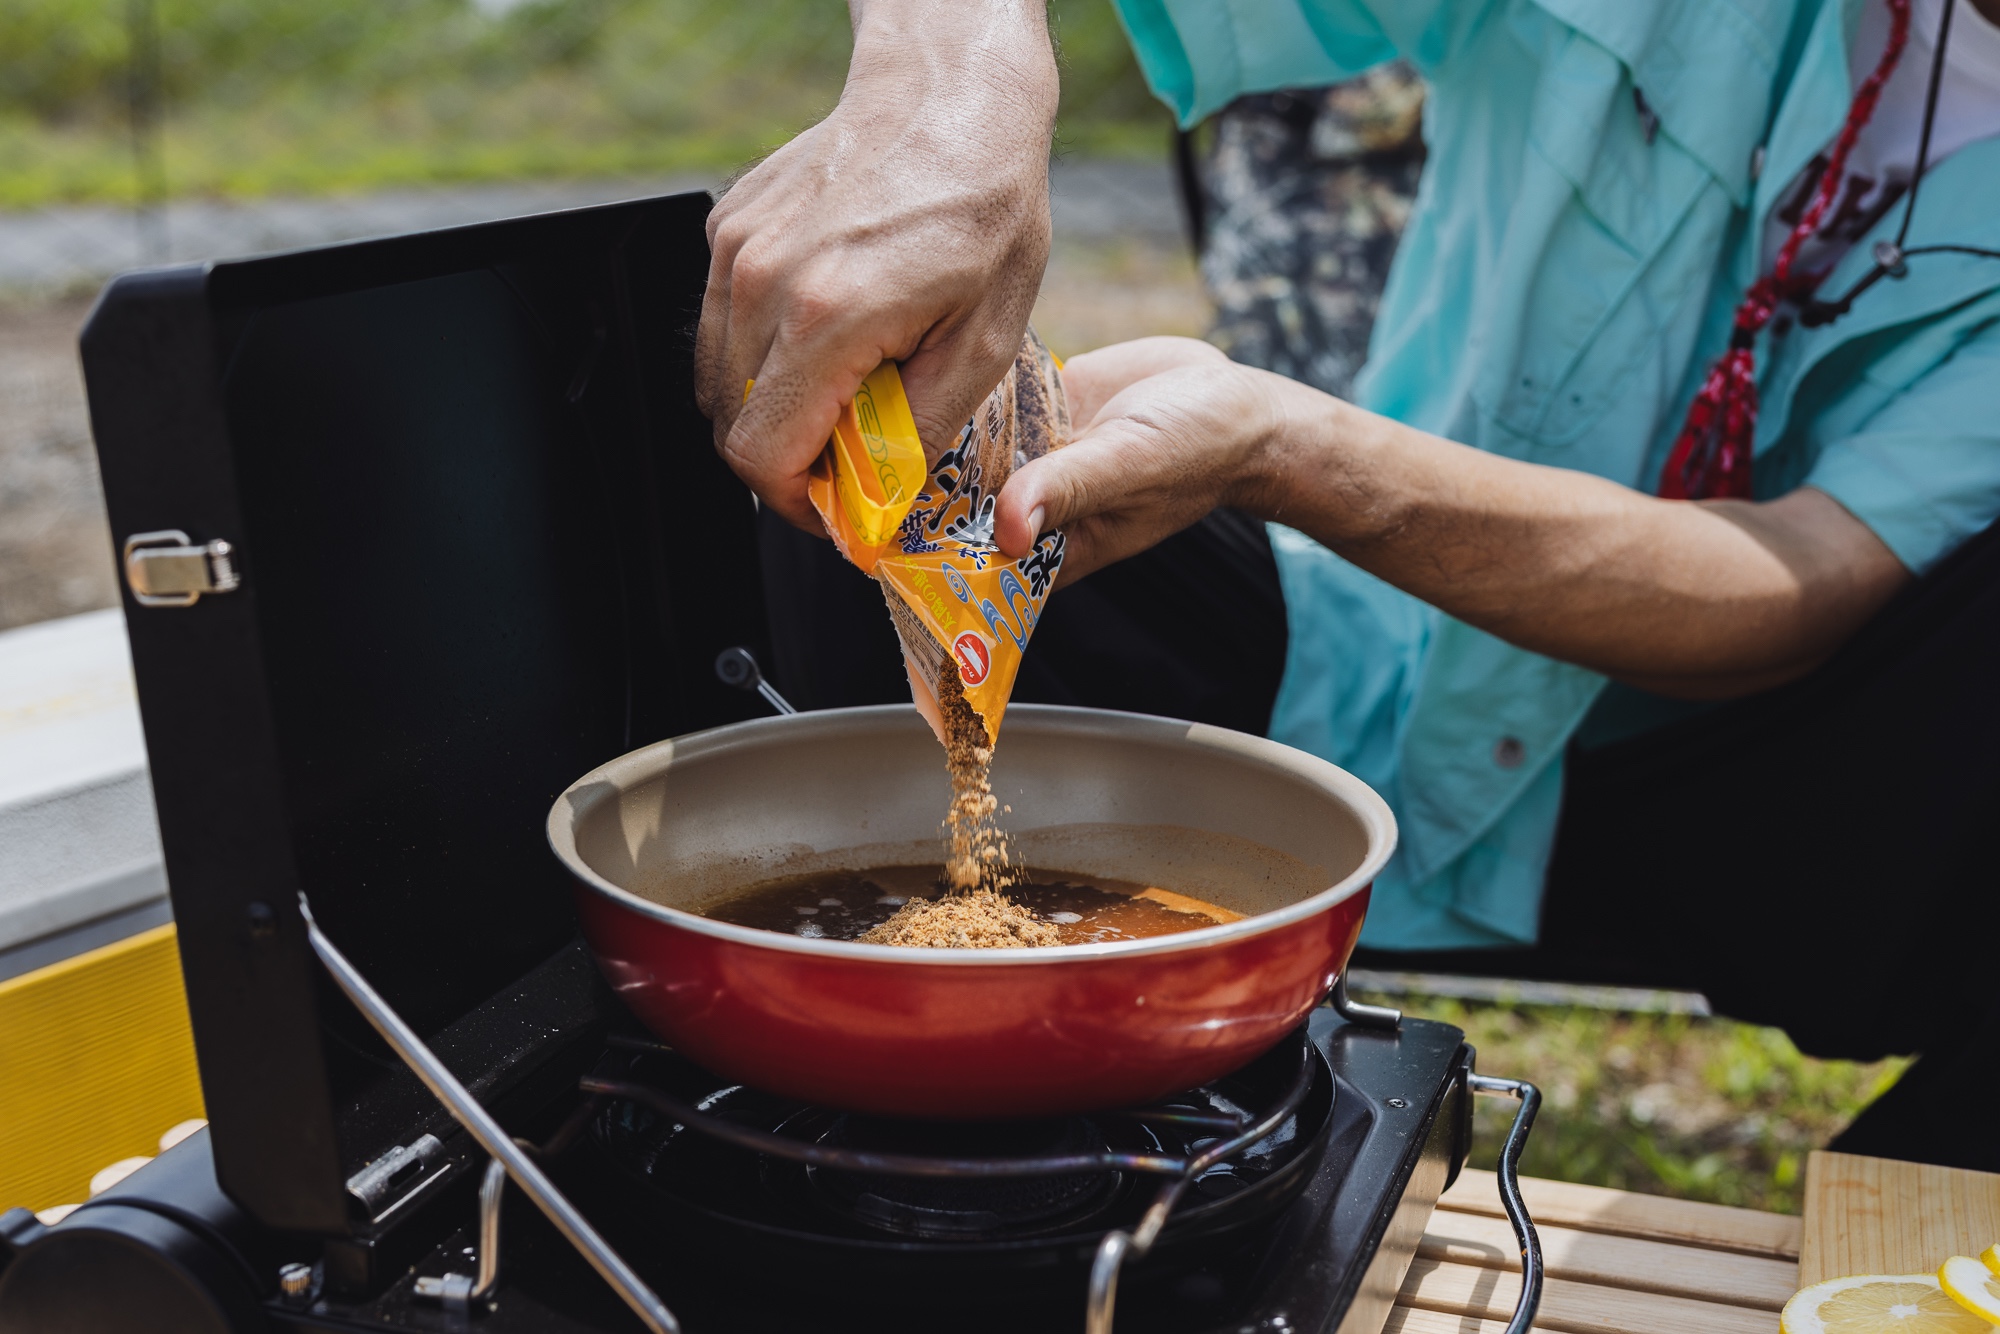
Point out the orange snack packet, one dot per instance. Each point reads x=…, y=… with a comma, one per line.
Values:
x=959, y=604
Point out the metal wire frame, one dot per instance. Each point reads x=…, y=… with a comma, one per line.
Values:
x=1510, y=1192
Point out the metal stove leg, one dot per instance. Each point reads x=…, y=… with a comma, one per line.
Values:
x=479, y=1123
x=458, y=1293
x=490, y=1192
x=1118, y=1245
x=1510, y=1192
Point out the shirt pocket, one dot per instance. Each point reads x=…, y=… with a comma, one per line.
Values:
x=1623, y=269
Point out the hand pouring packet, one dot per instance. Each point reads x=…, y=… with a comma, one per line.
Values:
x=959, y=604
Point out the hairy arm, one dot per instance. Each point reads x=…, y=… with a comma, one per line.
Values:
x=1704, y=600
x=911, y=224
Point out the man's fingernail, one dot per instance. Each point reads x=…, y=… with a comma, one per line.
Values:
x=1036, y=519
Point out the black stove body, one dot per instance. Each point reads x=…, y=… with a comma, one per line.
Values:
x=413, y=532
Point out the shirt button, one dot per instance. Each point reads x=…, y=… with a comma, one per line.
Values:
x=1508, y=752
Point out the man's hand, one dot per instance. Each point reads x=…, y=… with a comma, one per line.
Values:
x=1704, y=600
x=911, y=224
x=1163, y=428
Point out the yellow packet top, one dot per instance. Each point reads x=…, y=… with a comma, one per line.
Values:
x=868, y=476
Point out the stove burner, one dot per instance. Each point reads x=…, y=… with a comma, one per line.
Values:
x=869, y=1212
x=945, y=1207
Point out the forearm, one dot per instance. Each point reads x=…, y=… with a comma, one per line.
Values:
x=911, y=224
x=1690, y=599
x=976, y=53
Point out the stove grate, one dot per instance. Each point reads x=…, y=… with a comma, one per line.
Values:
x=1230, y=1135
x=1241, y=1133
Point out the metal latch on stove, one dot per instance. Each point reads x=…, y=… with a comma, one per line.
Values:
x=167, y=569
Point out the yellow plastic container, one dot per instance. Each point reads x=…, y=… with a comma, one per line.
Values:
x=96, y=1062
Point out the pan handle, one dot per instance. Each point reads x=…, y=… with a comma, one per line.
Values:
x=738, y=667
x=1510, y=1191
x=1358, y=1014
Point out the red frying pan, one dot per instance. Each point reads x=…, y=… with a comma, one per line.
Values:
x=1286, y=839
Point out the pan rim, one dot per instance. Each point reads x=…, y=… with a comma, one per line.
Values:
x=1378, y=821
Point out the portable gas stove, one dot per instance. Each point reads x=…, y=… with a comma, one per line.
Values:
x=414, y=531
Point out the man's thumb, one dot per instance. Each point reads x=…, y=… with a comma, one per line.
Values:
x=1048, y=493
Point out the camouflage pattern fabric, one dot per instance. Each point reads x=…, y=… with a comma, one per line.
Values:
x=1305, y=194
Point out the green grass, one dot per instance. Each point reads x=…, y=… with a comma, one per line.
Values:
x=315, y=96
x=1703, y=1109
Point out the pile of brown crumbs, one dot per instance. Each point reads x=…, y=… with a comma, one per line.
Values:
x=978, y=919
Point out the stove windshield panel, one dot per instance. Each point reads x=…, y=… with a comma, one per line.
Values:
x=485, y=544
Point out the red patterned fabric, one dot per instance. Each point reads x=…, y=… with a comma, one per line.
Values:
x=1711, y=456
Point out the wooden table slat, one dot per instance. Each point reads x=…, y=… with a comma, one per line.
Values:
x=1411, y=1320
x=1572, y=1308
x=1617, y=1262
x=1875, y=1216
x=1714, y=1227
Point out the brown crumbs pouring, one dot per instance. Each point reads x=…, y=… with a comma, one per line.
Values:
x=978, y=855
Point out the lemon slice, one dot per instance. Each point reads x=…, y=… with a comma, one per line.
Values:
x=1991, y=1257
x=1878, y=1304
x=1972, y=1285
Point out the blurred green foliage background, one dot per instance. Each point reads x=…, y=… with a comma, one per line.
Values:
x=1666, y=1104
x=303, y=96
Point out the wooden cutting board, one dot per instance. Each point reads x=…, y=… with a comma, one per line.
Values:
x=1875, y=1216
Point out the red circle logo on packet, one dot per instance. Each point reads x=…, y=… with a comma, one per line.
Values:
x=975, y=657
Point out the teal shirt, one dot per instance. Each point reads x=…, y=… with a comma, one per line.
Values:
x=1561, y=287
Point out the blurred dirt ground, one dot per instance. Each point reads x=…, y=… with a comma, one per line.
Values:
x=1099, y=292
x=55, y=546
x=56, y=554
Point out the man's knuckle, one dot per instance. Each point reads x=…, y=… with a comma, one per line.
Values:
x=754, y=270
x=814, y=303
x=813, y=306
x=729, y=231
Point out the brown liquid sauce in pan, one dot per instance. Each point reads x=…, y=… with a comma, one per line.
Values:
x=843, y=905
